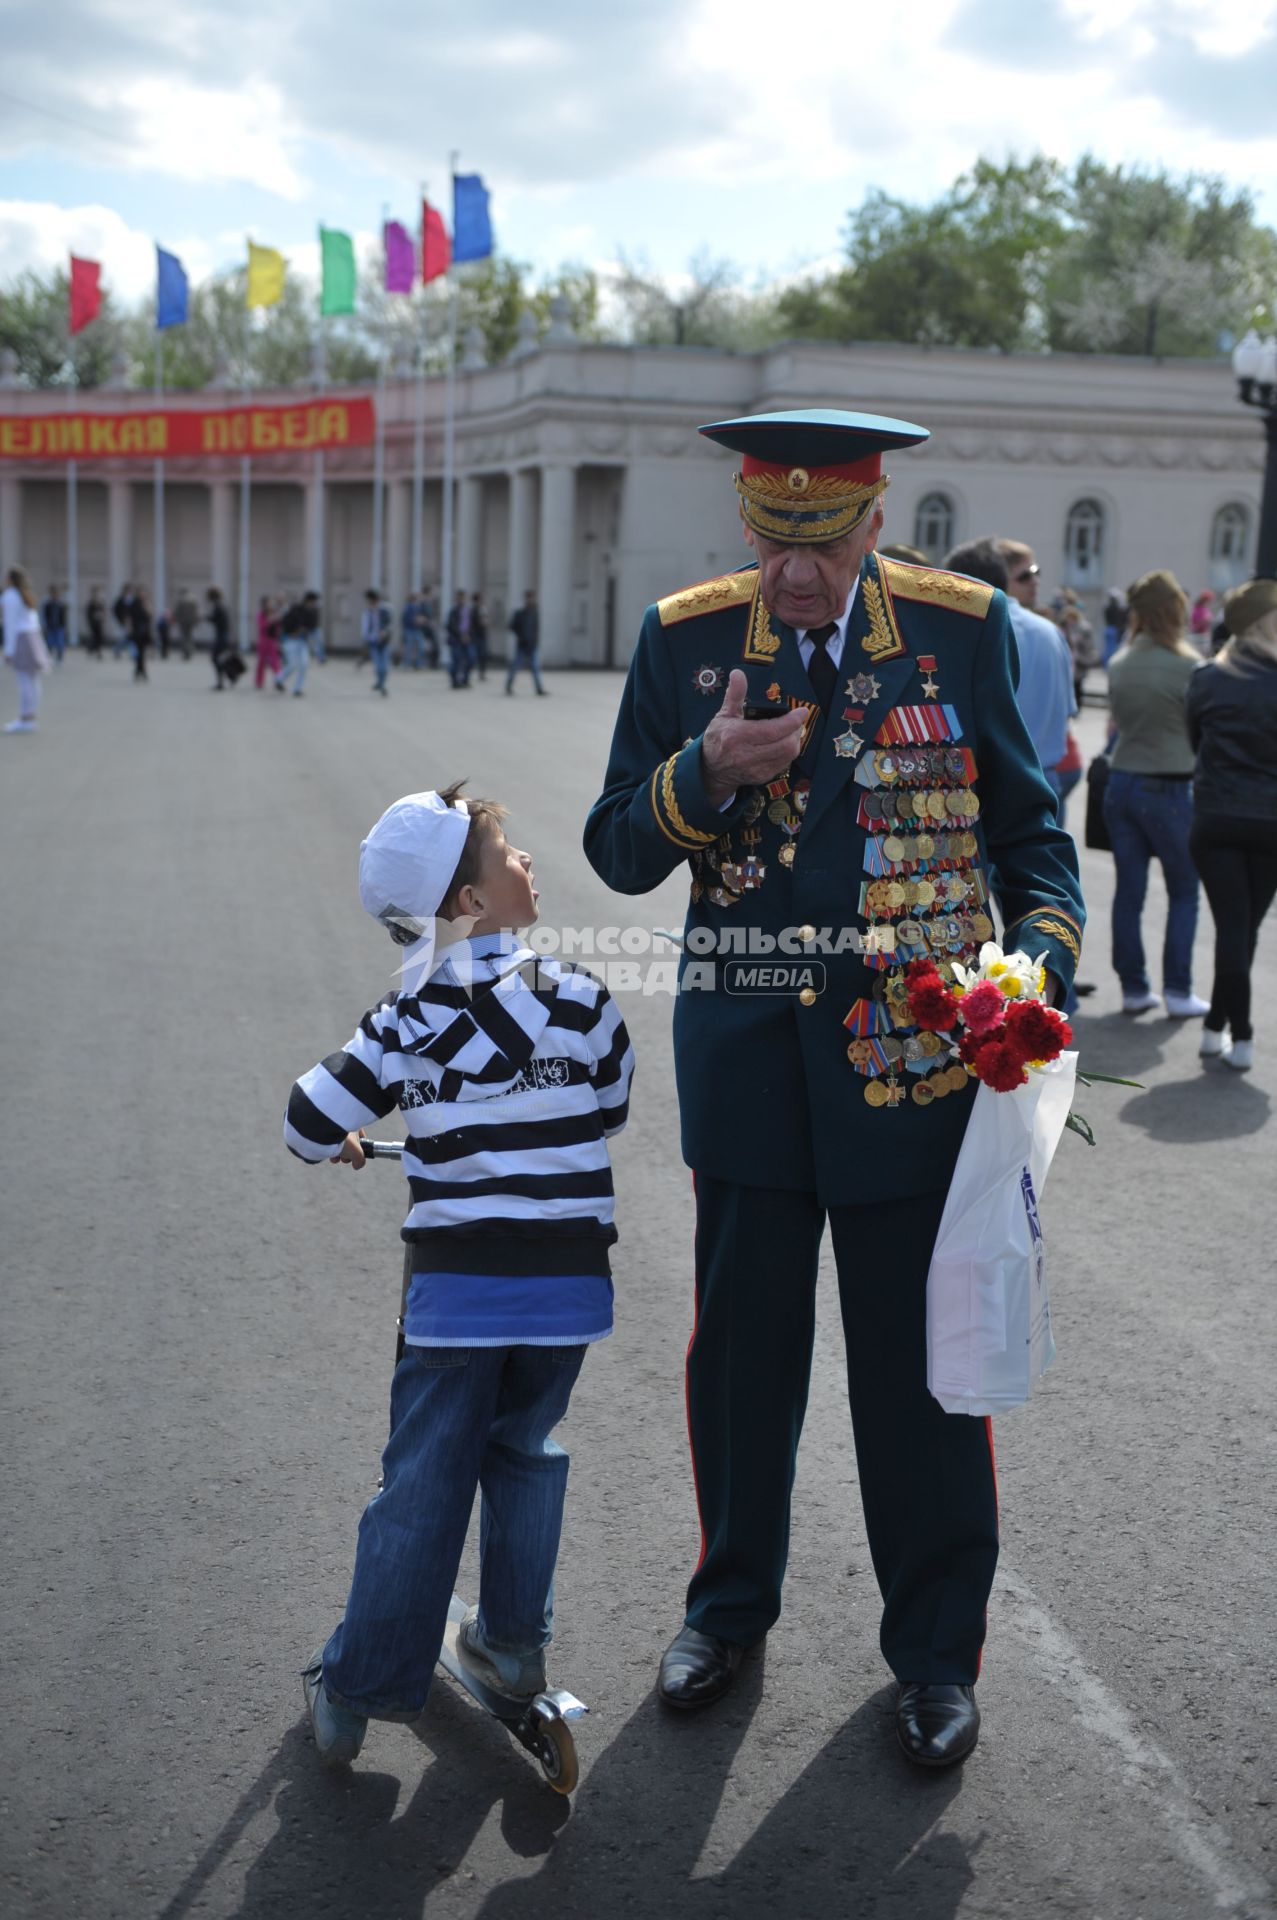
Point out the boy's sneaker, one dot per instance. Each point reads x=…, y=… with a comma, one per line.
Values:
x=1140, y=1002
x=518, y=1675
x=339, y=1733
x=1212, y=1044
x=1240, y=1056
x=1186, y=1006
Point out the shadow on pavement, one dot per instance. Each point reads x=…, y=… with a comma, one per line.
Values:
x=855, y=1832
x=1213, y=1104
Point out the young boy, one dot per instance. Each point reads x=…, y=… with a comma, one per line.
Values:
x=510, y=1076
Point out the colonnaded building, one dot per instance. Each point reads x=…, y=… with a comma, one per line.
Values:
x=579, y=472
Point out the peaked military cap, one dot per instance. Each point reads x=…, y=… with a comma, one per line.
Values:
x=811, y=474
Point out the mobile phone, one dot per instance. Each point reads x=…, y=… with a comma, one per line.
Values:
x=762, y=713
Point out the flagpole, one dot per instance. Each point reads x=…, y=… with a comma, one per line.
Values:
x=379, y=442
x=245, y=502
x=161, y=585
x=378, y=469
x=449, y=421
x=73, y=531
x=419, y=426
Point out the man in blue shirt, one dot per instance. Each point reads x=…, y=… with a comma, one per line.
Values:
x=1045, y=693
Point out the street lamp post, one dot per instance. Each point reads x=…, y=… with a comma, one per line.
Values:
x=1255, y=364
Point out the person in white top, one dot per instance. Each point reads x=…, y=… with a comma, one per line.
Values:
x=24, y=648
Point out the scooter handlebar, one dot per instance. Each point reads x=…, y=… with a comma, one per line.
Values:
x=382, y=1149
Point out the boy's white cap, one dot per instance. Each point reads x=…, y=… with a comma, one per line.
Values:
x=407, y=862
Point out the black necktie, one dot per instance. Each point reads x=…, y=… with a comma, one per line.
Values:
x=821, y=670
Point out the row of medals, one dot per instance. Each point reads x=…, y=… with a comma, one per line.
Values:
x=917, y=819
x=925, y=824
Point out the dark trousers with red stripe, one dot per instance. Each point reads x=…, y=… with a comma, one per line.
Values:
x=926, y=1476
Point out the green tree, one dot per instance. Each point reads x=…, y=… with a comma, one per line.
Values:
x=705, y=307
x=35, y=324
x=1029, y=255
x=966, y=271
x=1153, y=264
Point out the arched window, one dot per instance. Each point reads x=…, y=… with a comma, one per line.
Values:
x=1230, y=532
x=933, y=525
x=1229, y=546
x=1084, y=544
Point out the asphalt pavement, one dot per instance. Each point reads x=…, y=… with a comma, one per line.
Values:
x=199, y=1333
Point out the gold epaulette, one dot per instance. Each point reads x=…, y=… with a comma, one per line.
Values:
x=936, y=589
x=708, y=596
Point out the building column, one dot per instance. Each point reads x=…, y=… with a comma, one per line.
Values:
x=469, y=509
x=554, y=586
x=10, y=522
x=222, y=538
x=119, y=532
x=519, y=568
x=398, y=541
x=313, y=510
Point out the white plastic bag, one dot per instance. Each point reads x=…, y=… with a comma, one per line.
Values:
x=988, y=1310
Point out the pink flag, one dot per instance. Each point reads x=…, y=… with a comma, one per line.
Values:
x=436, y=248
x=401, y=257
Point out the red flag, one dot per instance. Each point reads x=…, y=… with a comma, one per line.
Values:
x=436, y=248
x=86, y=293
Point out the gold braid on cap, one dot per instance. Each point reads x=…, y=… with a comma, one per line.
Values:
x=800, y=506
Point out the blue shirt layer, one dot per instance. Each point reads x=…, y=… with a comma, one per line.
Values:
x=507, y=1310
x=1045, y=693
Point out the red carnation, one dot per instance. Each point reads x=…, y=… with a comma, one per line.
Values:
x=920, y=968
x=1000, y=1066
x=969, y=1047
x=931, y=1004
x=983, y=1008
x=1037, y=1032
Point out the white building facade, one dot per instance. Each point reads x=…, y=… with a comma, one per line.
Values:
x=579, y=472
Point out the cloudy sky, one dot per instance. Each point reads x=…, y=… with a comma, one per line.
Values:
x=743, y=127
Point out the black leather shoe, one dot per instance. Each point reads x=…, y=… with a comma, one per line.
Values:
x=937, y=1725
x=697, y=1669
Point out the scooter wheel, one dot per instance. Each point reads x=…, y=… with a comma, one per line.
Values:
x=556, y=1750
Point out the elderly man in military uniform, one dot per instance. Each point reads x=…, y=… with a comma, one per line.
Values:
x=832, y=743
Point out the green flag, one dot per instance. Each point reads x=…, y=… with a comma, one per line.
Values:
x=337, y=288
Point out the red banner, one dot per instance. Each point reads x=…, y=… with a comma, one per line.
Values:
x=190, y=434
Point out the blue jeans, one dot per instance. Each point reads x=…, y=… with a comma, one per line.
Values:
x=524, y=659
x=379, y=654
x=296, y=660
x=460, y=1418
x=1151, y=817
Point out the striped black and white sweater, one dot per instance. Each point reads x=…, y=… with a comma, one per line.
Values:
x=511, y=1073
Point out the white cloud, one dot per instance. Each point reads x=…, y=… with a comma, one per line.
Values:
x=37, y=234
x=213, y=133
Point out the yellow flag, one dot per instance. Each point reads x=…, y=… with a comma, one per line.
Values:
x=265, y=276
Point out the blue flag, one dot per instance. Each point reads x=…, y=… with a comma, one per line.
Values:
x=171, y=290
x=471, y=223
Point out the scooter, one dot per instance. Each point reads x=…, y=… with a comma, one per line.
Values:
x=542, y=1724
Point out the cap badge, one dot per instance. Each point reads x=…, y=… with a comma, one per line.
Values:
x=798, y=480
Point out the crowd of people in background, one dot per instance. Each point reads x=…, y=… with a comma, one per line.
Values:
x=1189, y=767
x=288, y=635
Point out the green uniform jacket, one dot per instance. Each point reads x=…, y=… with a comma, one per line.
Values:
x=767, y=1093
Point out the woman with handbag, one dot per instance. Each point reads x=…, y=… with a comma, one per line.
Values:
x=1148, y=804
x=1232, y=724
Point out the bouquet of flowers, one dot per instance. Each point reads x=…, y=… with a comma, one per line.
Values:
x=996, y=1020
